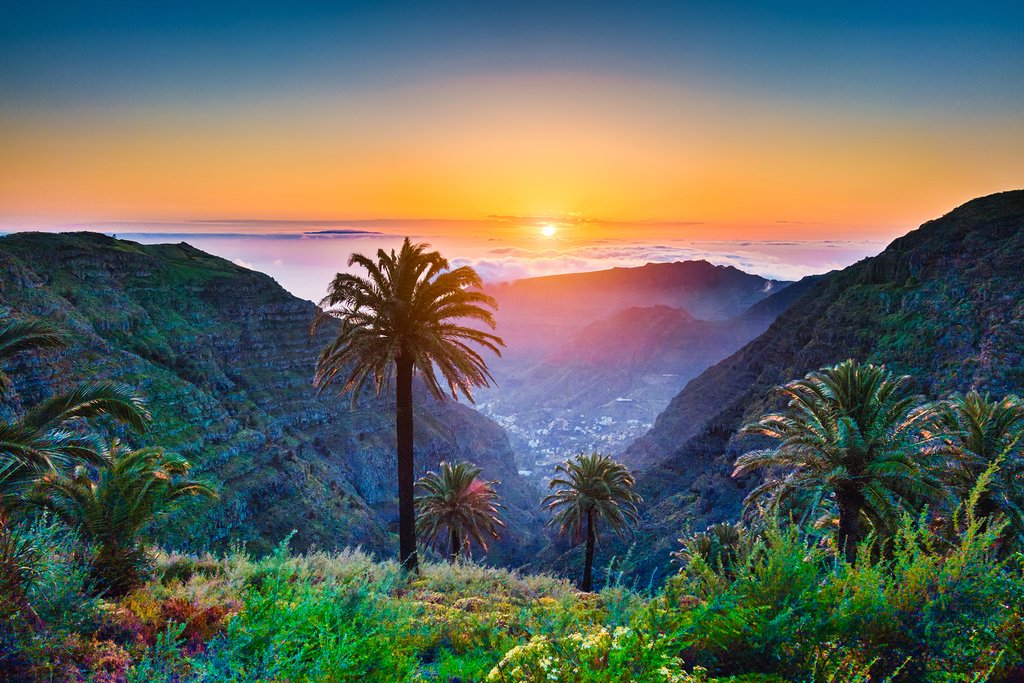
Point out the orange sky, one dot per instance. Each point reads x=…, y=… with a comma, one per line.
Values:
x=517, y=144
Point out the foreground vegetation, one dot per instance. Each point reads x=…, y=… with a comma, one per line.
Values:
x=777, y=606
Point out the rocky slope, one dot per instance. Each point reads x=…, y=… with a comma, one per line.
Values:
x=225, y=358
x=944, y=304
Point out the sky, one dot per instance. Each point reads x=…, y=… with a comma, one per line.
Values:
x=640, y=124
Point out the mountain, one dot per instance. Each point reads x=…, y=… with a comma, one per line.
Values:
x=592, y=358
x=944, y=304
x=225, y=358
x=536, y=315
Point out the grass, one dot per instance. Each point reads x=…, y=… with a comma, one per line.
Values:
x=786, y=609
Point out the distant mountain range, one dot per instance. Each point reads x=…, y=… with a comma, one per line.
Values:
x=225, y=358
x=944, y=304
x=536, y=315
x=593, y=357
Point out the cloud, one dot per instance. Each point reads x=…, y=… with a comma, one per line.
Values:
x=768, y=260
x=346, y=232
x=244, y=264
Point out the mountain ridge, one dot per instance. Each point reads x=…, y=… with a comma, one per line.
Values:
x=944, y=303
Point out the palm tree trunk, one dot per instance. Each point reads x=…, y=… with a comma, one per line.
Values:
x=850, y=531
x=404, y=438
x=456, y=544
x=588, y=564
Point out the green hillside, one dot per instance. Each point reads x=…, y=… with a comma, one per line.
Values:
x=944, y=304
x=224, y=357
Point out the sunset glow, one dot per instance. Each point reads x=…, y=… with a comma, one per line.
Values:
x=676, y=122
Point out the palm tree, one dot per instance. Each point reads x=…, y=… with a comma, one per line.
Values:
x=459, y=502
x=854, y=432
x=979, y=431
x=403, y=318
x=721, y=546
x=22, y=334
x=112, y=507
x=589, y=490
x=46, y=437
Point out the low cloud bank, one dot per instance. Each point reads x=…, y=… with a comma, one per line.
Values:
x=773, y=260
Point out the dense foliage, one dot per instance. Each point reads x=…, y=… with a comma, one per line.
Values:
x=786, y=609
x=112, y=506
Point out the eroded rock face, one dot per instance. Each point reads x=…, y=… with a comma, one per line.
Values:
x=226, y=361
x=944, y=304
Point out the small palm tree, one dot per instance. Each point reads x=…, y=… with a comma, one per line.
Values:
x=979, y=431
x=458, y=504
x=47, y=435
x=112, y=507
x=722, y=546
x=22, y=334
x=851, y=431
x=403, y=318
x=590, y=490
x=45, y=438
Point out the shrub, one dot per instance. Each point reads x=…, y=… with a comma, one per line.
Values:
x=923, y=614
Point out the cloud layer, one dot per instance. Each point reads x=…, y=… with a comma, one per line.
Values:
x=774, y=260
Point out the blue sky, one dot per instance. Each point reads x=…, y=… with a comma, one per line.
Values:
x=957, y=54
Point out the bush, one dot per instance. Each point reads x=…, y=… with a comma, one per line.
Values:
x=793, y=609
x=46, y=562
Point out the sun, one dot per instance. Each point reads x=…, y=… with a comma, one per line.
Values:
x=548, y=230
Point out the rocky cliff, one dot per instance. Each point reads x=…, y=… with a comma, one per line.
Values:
x=945, y=304
x=225, y=358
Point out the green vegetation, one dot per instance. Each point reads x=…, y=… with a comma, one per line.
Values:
x=404, y=318
x=458, y=504
x=934, y=593
x=937, y=609
x=45, y=438
x=981, y=432
x=853, y=433
x=112, y=507
x=591, y=490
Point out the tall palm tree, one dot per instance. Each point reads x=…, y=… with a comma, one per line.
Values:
x=590, y=490
x=404, y=317
x=458, y=504
x=112, y=507
x=852, y=431
x=979, y=431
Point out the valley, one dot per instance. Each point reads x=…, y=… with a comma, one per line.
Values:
x=592, y=358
